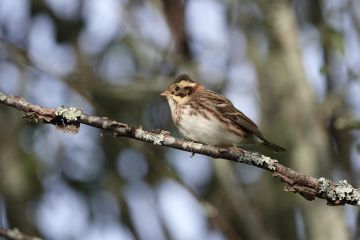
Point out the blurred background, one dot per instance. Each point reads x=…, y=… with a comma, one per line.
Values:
x=292, y=66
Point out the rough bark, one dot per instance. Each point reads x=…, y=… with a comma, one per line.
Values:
x=69, y=120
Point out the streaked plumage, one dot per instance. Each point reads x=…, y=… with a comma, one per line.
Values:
x=205, y=116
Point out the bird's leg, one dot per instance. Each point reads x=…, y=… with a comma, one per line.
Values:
x=192, y=141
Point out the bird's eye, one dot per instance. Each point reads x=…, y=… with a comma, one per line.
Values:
x=177, y=88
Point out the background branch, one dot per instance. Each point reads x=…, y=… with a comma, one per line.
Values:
x=69, y=120
x=15, y=234
x=347, y=124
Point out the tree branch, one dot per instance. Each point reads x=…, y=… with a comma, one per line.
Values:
x=347, y=124
x=15, y=234
x=69, y=120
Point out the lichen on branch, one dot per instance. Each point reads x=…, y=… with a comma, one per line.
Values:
x=307, y=186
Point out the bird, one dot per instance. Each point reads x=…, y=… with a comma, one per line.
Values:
x=204, y=116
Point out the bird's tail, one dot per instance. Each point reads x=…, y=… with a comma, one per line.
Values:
x=273, y=147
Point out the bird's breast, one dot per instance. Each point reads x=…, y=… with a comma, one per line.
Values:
x=209, y=127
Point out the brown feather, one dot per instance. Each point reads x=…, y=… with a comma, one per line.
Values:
x=224, y=106
x=185, y=92
x=183, y=77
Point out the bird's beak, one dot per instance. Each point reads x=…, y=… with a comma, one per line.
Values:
x=164, y=93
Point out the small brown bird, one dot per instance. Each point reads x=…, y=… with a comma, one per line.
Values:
x=204, y=116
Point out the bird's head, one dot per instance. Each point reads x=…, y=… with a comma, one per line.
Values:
x=182, y=89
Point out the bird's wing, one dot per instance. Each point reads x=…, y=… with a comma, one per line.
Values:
x=227, y=109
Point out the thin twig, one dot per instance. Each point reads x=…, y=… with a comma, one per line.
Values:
x=69, y=120
x=15, y=234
